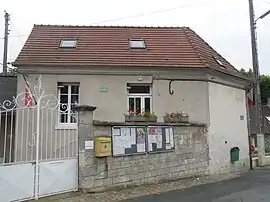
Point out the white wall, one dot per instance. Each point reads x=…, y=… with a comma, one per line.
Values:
x=190, y=97
x=112, y=105
x=226, y=129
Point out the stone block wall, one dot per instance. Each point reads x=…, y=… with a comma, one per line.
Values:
x=190, y=158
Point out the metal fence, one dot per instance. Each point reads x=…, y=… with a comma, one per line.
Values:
x=31, y=135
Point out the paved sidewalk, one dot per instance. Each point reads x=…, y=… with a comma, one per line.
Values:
x=135, y=192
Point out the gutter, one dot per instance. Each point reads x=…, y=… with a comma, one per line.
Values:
x=171, y=91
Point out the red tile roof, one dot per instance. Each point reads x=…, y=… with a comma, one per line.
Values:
x=105, y=45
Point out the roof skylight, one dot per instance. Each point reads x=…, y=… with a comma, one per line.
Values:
x=68, y=43
x=136, y=43
x=218, y=61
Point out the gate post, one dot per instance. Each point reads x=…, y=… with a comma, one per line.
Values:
x=85, y=133
x=261, y=149
x=38, y=103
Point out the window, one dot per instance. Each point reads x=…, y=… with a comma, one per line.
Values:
x=139, y=97
x=68, y=43
x=136, y=43
x=218, y=61
x=69, y=98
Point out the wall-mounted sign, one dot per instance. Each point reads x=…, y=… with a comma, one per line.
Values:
x=89, y=144
x=103, y=90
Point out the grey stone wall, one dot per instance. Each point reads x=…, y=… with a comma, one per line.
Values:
x=190, y=158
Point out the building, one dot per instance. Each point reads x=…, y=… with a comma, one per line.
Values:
x=156, y=69
x=8, y=90
x=266, y=132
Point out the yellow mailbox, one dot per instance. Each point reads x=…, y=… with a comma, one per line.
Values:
x=103, y=146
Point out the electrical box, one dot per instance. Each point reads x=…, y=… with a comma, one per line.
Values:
x=103, y=146
x=234, y=153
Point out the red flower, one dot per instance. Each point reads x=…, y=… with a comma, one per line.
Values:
x=132, y=112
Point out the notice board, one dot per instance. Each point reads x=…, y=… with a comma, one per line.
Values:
x=160, y=138
x=128, y=140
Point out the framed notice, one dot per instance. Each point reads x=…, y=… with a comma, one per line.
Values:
x=128, y=140
x=160, y=138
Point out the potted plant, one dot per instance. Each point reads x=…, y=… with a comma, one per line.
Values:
x=176, y=117
x=133, y=116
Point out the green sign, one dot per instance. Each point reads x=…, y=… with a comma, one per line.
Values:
x=104, y=90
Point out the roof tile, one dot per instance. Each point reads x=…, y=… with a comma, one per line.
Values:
x=108, y=45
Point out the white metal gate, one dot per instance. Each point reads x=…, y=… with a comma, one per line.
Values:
x=38, y=156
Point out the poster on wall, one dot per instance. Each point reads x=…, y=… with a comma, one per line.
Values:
x=128, y=140
x=171, y=138
x=160, y=138
x=118, y=148
x=168, y=138
x=140, y=134
x=133, y=136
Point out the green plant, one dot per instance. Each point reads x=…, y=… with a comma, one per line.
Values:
x=148, y=114
x=175, y=115
x=143, y=113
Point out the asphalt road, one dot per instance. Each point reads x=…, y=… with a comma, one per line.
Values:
x=251, y=187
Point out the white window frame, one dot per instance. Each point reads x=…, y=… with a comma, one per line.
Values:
x=137, y=44
x=68, y=43
x=68, y=124
x=142, y=96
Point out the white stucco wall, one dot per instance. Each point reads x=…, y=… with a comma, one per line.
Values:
x=226, y=129
x=216, y=105
x=112, y=105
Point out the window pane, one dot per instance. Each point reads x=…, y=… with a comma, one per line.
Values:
x=68, y=43
x=73, y=116
x=63, y=98
x=63, y=89
x=139, y=89
x=63, y=118
x=74, y=89
x=74, y=98
x=72, y=109
x=136, y=44
x=73, y=119
x=147, y=104
x=138, y=105
x=131, y=104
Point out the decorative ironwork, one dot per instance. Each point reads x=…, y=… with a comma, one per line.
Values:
x=32, y=133
x=31, y=99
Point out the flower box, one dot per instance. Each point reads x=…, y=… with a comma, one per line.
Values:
x=183, y=119
x=178, y=117
x=129, y=118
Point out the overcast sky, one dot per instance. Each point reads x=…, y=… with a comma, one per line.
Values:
x=224, y=24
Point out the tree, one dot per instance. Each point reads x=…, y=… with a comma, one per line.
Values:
x=265, y=88
x=264, y=85
x=248, y=73
x=12, y=71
